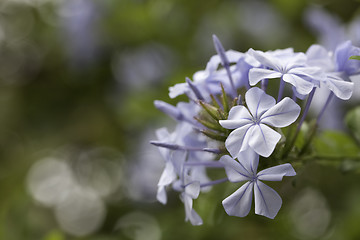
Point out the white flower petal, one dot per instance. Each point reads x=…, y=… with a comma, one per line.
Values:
x=302, y=86
x=318, y=56
x=258, y=101
x=193, y=189
x=168, y=175
x=311, y=72
x=250, y=160
x=238, y=117
x=239, y=203
x=258, y=74
x=199, y=174
x=178, y=89
x=161, y=194
x=282, y=114
x=235, y=171
x=177, y=158
x=267, y=201
x=295, y=60
x=342, y=89
x=235, y=142
x=265, y=59
x=163, y=135
x=194, y=218
x=263, y=139
x=276, y=173
x=191, y=214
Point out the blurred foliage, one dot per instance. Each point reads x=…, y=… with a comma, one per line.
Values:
x=82, y=75
x=353, y=123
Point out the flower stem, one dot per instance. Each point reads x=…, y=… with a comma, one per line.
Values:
x=264, y=84
x=314, y=129
x=325, y=106
x=281, y=89
x=215, y=164
x=175, y=147
x=214, y=182
x=288, y=149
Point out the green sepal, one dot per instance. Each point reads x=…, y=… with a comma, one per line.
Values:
x=211, y=125
x=211, y=110
x=214, y=102
x=215, y=136
x=224, y=99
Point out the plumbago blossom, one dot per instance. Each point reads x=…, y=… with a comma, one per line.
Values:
x=233, y=123
x=251, y=126
x=267, y=201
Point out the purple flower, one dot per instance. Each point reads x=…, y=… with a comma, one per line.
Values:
x=191, y=190
x=290, y=67
x=176, y=157
x=173, y=161
x=337, y=68
x=342, y=62
x=208, y=81
x=251, y=126
x=267, y=201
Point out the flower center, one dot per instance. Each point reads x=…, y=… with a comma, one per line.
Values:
x=253, y=178
x=256, y=120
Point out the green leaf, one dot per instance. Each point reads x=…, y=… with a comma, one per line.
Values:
x=355, y=57
x=335, y=144
x=352, y=121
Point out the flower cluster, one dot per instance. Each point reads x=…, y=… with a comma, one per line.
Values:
x=231, y=124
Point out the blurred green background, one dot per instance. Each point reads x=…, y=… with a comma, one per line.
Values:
x=77, y=83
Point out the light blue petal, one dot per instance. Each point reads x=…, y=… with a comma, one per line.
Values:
x=302, y=86
x=239, y=203
x=195, y=219
x=193, y=189
x=266, y=59
x=190, y=214
x=318, y=56
x=238, y=117
x=168, y=109
x=235, y=171
x=276, y=173
x=295, y=60
x=258, y=74
x=249, y=159
x=161, y=194
x=282, y=114
x=199, y=174
x=314, y=73
x=236, y=141
x=178, y=89
x=343, y=63
x=163, y=135
x=342, y=89
x=263, y=140
x=177, y=158
x=168, y=175
x=258, y=101
x=267, y=201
